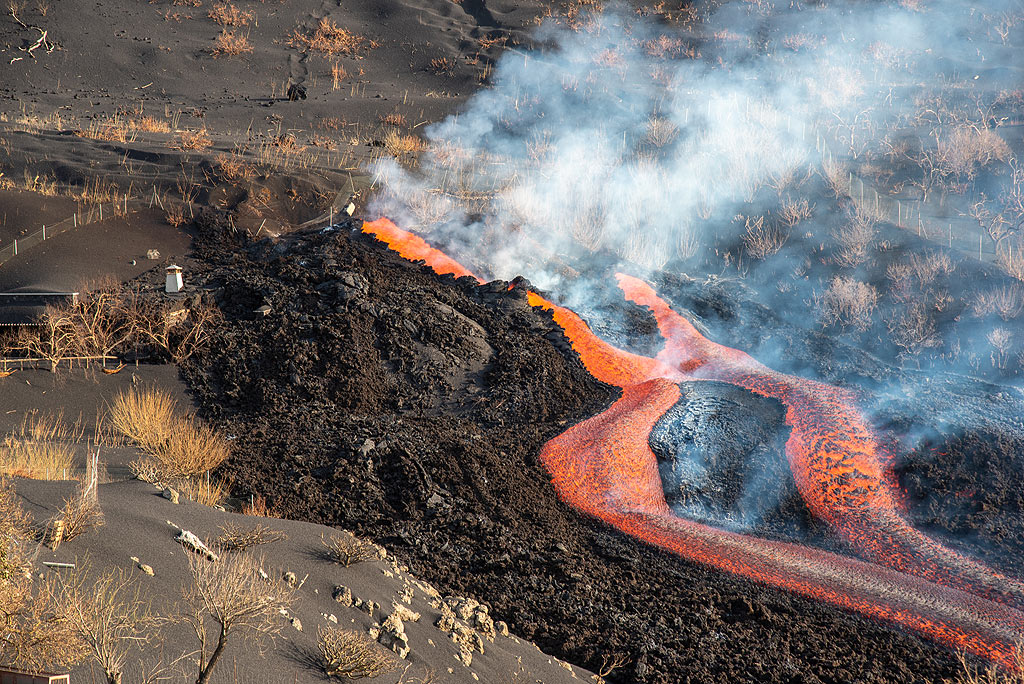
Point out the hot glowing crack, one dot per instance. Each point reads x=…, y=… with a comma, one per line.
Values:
x=604, y=467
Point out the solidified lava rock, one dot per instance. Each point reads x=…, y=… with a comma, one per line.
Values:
x=410, y=408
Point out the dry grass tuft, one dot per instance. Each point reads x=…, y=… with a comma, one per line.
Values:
x=330, y=39
x=993, y=674
x=191, y=140
x=179, y=450
x=338, y=74
x=393, y=119
x=203, y=490
x=146, y=417
x=236, y=538
x=233, y=167
x=348, y=549
x=442, y=66
x=192, y=448
x=350, y=654
x=226, y=14
x=259, y=508
x=399, y=146
x=231, y=44
x=42, y=448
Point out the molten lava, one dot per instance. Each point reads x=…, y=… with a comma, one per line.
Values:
x=605, y=467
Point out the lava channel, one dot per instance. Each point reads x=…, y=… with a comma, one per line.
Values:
x=604, y=467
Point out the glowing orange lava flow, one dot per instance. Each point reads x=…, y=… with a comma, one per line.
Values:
x=605, y=467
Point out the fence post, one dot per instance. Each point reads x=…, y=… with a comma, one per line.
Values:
x=44, y=231
x=15, y=246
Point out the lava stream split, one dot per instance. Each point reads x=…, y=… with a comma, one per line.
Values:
x=604, y=466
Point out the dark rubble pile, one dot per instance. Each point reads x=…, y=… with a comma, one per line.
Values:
x=371, y=394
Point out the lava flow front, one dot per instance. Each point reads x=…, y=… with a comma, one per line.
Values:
x=605, y=467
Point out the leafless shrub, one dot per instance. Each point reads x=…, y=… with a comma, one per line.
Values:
x=792, y=212
x=913, y=330
x=854, y=238
x=847, y=302
x=347, y=549
x=108, y=615
x=762, y=238
x=237, y=538
x=927, y=268
x=966, y=149
x=229, y=597
x=350, y=654
x=191, y=448
x=175, y=215
x=608, y=665
x=204, y=490
x=442, y=66
x=1006, y=302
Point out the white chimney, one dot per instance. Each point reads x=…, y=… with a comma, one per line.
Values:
x=174, y=281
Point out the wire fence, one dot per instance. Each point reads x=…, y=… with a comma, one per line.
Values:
x=94, y=213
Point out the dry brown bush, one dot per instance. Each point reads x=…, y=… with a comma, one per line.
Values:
x=237, y=538
x=966, y=149
x=230, y=44
x=1001, y=340
x=330, y=39
x=350, y=654
x=348, y=549
x=1012, y=261
x=79, y=514
x=993, y=674
x=847, y=302
x=227, y=14
x=191, y=448
x=229, y=597
x=393, y=119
